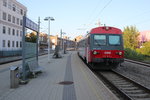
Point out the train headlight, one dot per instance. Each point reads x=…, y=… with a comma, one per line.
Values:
x=107, y=28
x=95, y=52
x=120, y=53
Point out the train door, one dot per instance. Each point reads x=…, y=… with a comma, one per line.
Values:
x=88, y=55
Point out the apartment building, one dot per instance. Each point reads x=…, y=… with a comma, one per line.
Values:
x=11, y=22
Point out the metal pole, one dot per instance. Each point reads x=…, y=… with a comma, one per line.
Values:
x=61, y=43
x=37, y=40
x=23, y=49
x=49, y=40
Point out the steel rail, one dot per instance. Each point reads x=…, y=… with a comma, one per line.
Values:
x=126, y=87
x=136, y=62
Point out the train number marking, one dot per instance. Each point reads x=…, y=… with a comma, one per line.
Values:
x=107, y=52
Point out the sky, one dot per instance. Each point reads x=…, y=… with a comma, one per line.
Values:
x=76, y=17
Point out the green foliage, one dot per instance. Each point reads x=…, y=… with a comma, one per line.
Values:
x=145, y=50
x=32, y=38
x=132, y=54
x=130, y=36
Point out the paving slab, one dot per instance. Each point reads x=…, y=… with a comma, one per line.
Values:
x=67, y=78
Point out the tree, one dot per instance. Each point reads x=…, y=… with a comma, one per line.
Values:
x=31, y=38
x=130, y=36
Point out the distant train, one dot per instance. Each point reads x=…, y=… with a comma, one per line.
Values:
x=102, y=48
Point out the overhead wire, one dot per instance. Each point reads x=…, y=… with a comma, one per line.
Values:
x=100, y=11
x=90, y=15
x=136, y=16
x=93, y=11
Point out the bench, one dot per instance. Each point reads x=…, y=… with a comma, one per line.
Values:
x=34, y=67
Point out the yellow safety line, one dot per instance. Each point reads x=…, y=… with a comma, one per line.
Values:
x=90, y=84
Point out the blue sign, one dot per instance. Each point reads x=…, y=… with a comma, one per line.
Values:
x=30, y=24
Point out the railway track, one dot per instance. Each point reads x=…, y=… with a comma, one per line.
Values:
x=123, y=87
x=136, y=62
x=126, y=88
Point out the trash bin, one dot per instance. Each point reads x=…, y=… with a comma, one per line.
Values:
x=14, y=77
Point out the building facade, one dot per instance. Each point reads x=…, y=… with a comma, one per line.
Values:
x=144, y=36
x=78, y=38
x=11, y=22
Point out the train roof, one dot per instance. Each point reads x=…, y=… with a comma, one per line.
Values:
x=106, y=30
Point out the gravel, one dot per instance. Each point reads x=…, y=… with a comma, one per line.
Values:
x=138, y=73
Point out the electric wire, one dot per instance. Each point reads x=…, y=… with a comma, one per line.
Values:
x=101, y=11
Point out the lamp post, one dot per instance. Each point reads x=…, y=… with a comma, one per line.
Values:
x=49, y=19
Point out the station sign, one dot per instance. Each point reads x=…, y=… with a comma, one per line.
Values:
x=30, y=24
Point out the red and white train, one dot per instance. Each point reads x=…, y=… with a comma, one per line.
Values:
x=102, y=47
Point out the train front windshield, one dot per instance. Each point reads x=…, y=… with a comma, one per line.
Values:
x=102, y=40
x=114, y=39
x=99, y=40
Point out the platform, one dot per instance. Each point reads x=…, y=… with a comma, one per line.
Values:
x=67, y=78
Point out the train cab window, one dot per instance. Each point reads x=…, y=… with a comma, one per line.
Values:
x=114, y=40
x=99, y=40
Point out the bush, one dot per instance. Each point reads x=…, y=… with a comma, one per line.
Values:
x=145, y=50
x=132, y=54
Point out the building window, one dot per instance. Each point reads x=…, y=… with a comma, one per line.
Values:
x=4, y=16
x=13, y=43
x=20, y=44
x=21, y=22
x=13, y=32
x=14, y=7
x=20, y=33
x=4, y=29
x=9, y=31
x=17, y=32
x=13, y=19
x=9, y=17
x=21, y=11
x=5, y=3
x=18, y=10
x=16, y=43
x=18, y=21
x=3, y=43
x=9, y=5
x=8, y=43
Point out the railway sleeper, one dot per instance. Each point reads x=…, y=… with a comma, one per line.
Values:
x=125, y=86
x=135, y=91
x=131, y=88
x=143, y=95
x=123, y=83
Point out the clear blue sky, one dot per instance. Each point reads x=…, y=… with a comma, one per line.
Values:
x=76, y=17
